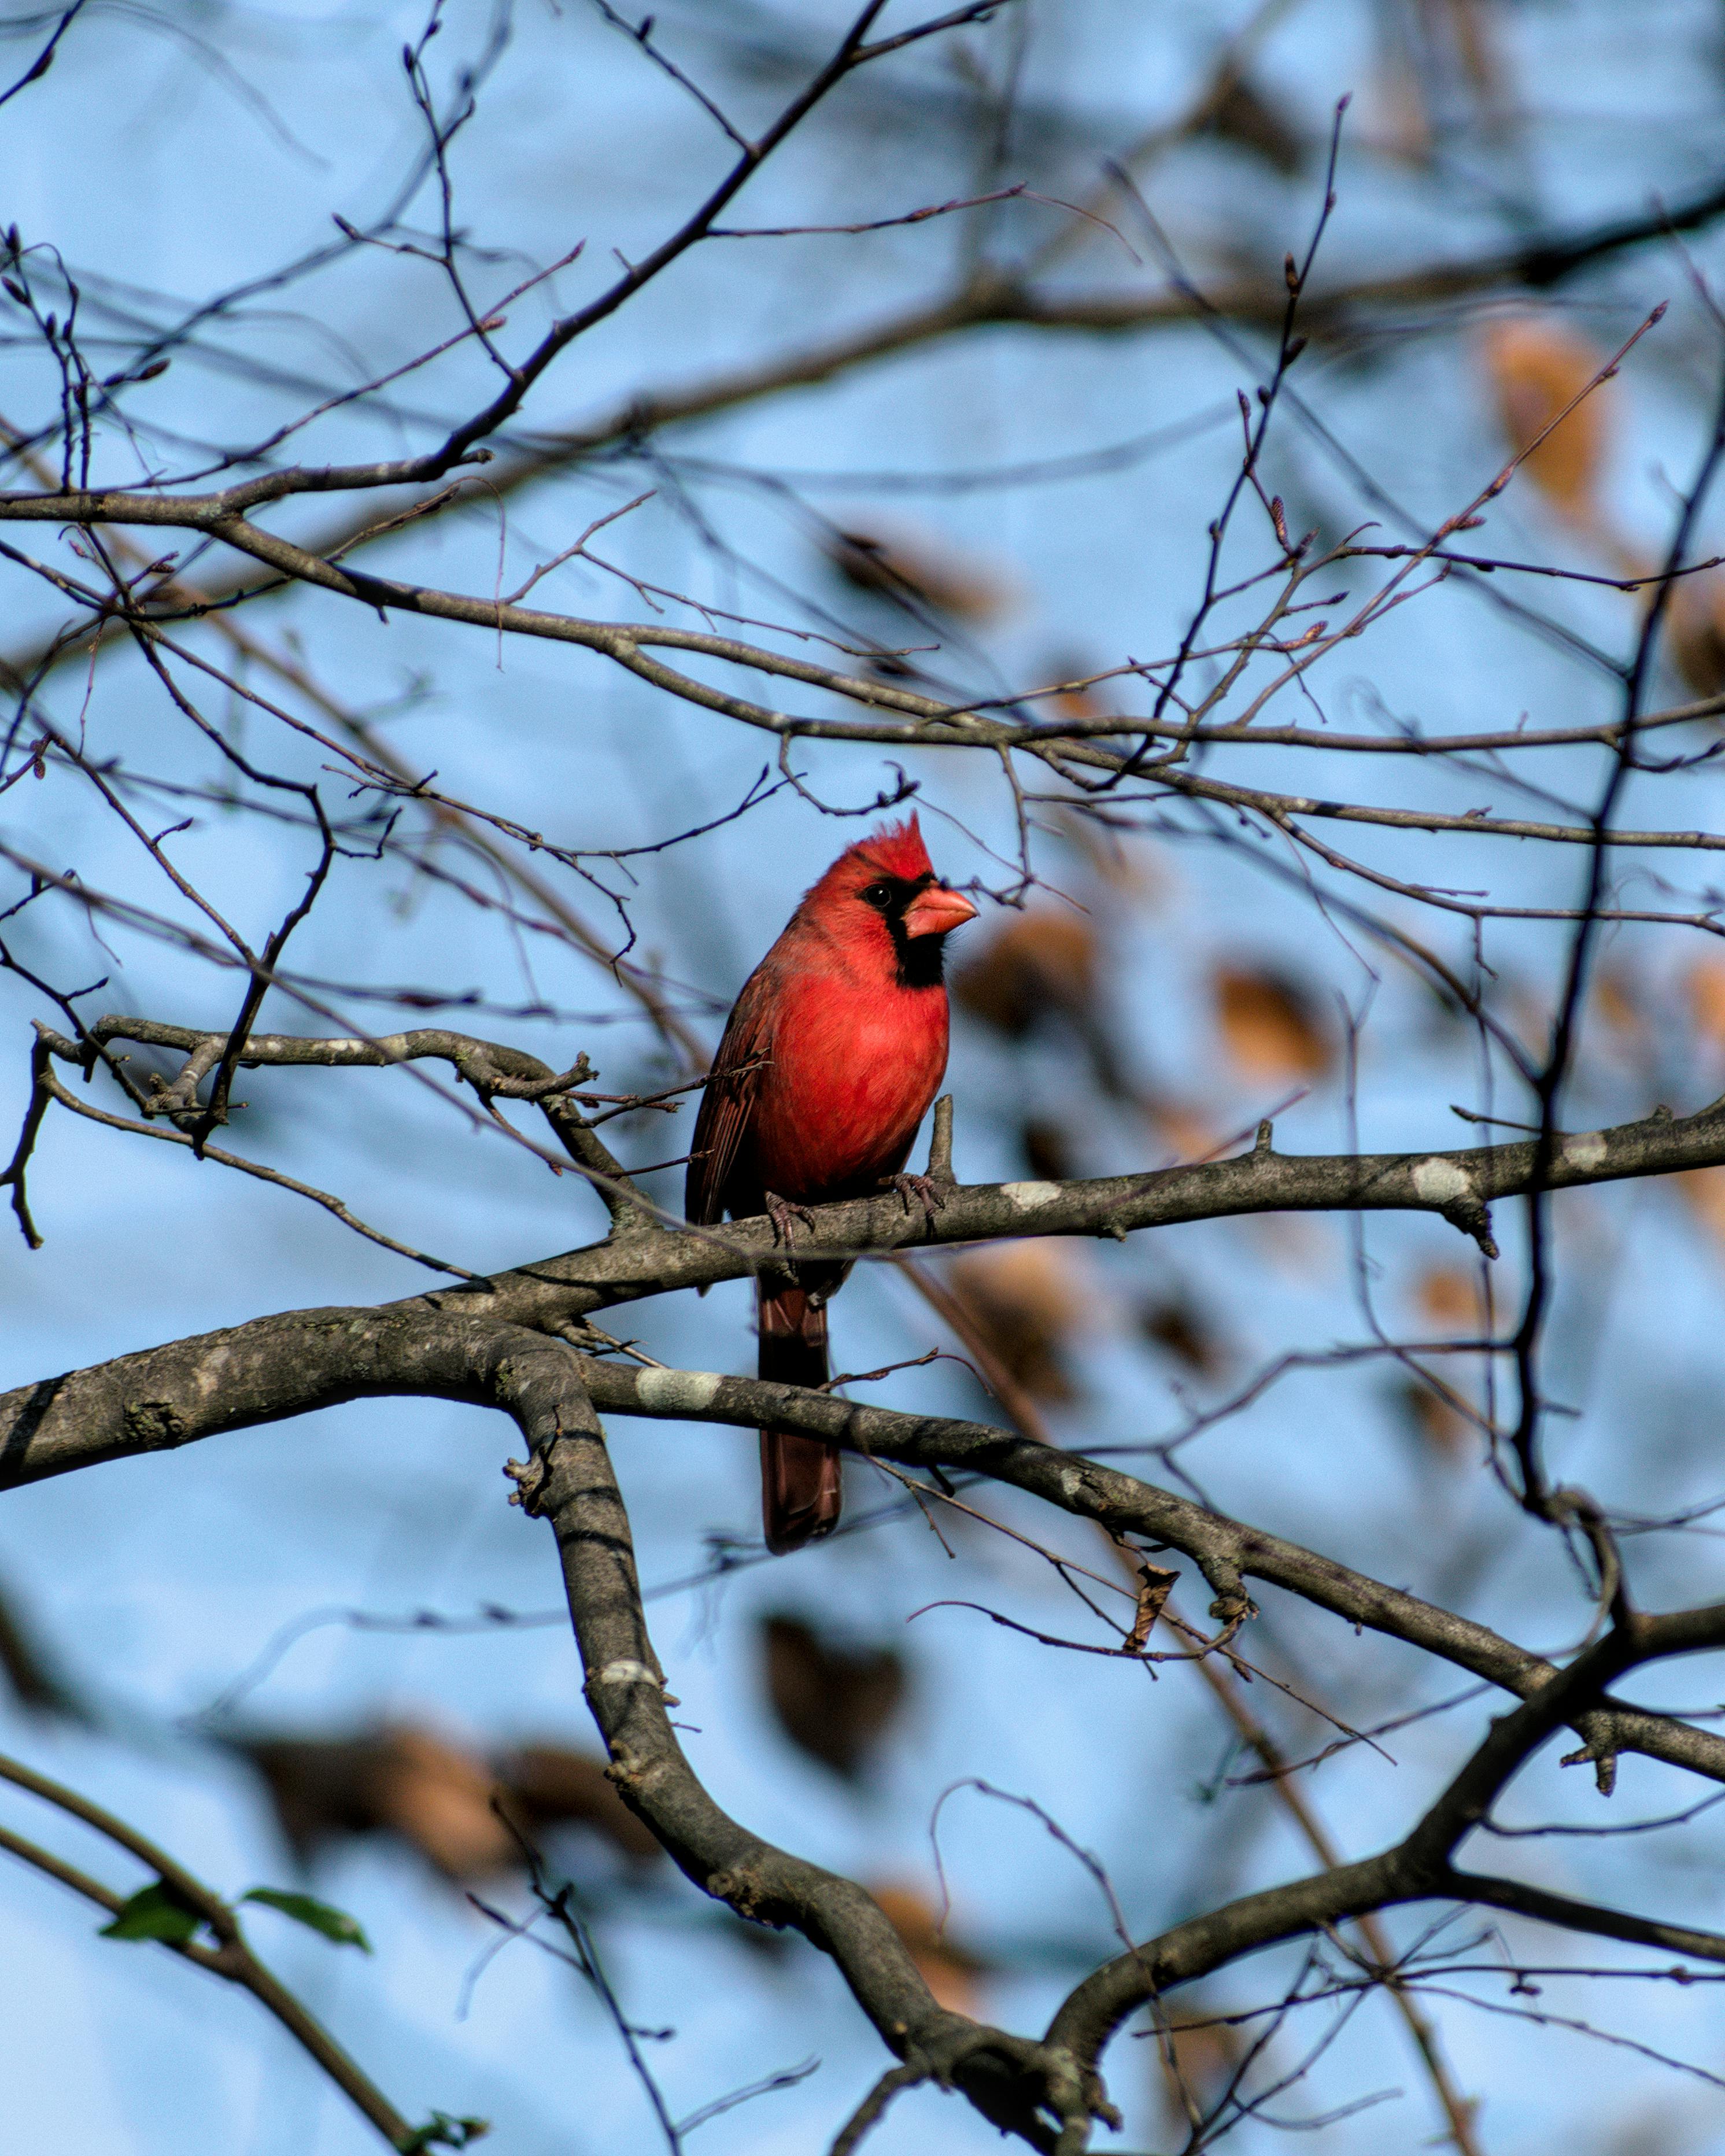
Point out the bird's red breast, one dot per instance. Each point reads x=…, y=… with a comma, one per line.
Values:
x=856, y=1063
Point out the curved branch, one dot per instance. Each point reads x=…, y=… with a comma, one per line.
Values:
x=273, y=1368
x=1458, y=1186
x=263, y=1372
x=277, y=1367
x=1419, y=1867
x=568, y=1480
x=638, y=1262
x=1522, y=1900
x=1226, y=1551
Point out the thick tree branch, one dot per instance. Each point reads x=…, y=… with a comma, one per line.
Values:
x=1461, y=1186
x=1419, y=1867
x=1522, y=1900
x=568, y=1480
x=1226, y=1551
x=283, y=1366
x=273, y=1368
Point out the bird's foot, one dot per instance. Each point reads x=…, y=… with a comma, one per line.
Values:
x=923, y=1189
x=781, y=1212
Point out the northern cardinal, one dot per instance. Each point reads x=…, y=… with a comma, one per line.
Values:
x=836, y=1047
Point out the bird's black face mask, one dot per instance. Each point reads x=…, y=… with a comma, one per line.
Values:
x=920, y=960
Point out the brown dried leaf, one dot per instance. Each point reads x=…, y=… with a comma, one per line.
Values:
x=1046, y=965
x=1187, y=1132
x=1047, y=1150
x=1617, y=1003
x=1537, y=365
x=1696, y=626
x=1432, y=1423
x=1155, y=1586
x=1240, y=113
x=548, y=1785
x=1076, y=698
x=1271, y=1024
x=1401, y=119
x=1473, y=27
x=950, y=1971
x=917, y=572
x=319, y=1787
x=1131, y=869
x=1703, y=1189
x=1704, y=991
x=1074, y=703
x=37, y=1681
x=438, y=1796
x=1026, y=1300
x=404, y=1781
x=1175, y=1322
x=1035, y=965
x=1195, y=2060
x=1448, y=1296
x=834, y=1702
x=1301, y=1246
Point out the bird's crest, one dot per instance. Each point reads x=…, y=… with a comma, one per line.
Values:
x=896, y=849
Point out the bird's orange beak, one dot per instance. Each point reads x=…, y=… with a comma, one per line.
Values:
x=934, y=911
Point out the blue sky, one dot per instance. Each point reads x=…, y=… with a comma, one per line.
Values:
x=175, y=156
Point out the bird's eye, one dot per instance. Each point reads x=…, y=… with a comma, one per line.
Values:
x=878, y=895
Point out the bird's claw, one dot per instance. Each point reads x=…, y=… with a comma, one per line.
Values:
x=923, y=1189
x=781, y=1212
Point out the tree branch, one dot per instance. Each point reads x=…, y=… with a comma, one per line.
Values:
x=568, y=1481
x=991, y=298
x=273, y=1368
x=1417, y=1868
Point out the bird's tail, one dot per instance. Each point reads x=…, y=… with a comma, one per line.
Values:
x=801, y=1480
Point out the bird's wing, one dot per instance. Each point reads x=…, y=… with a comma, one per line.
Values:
x=729, y=1101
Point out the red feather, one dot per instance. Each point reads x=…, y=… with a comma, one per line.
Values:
x=894, y=849
x=831, y=1057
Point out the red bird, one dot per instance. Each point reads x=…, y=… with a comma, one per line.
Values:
x=836, y=1047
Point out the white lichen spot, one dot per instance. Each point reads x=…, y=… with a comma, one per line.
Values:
x=1585, y=1152
x=625, y=1672
x=1030, y=1197
x=682, y=1391
x=211, y=1372
x=1438, y=1180
x=1072, y=1484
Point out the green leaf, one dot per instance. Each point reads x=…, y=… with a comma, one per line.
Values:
x=443, y=2131
x=334, y=1923
x=155, y=1912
